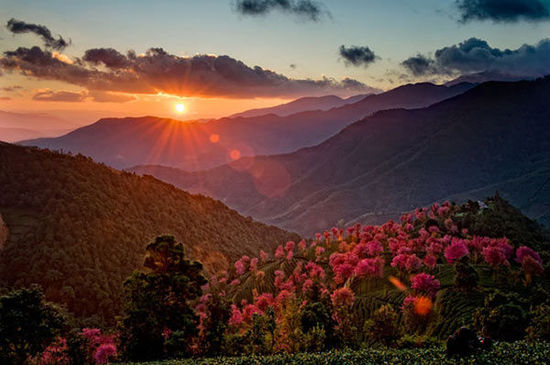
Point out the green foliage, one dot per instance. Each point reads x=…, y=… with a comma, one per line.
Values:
x=540, y=324
x=501, y=219
x=77, y=228
x=27, y=324
x=502, y=317
x=520, y=352
x=466, y=277
x=409, y=341
x=383, y=327
x=158, y=303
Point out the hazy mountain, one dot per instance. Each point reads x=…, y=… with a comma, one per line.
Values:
x=79, y=229
x=18, y=126
x=18, y=134
x=493, y=137
x=302, y=105
x=195, y=146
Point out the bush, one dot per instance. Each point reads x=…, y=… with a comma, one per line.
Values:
x=383, y=327
x=540, y=324
x=502, y=317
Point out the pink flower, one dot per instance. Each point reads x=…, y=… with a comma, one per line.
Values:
x=406, y=262
x=290, y=246
x=430, y=261
x=308, y=284
x=236, y=316
x=254, y=264
x=425, y=283
x=524, y=251
x=374, y=248
x=239, y=267
x=279, y=252
x=263, y=256
x=342, y=297
x=265, y=300
x=370, y=267
x=289, y=255
x=302, y=245
x=494, y=256
x=104, y=352
x=456, y=250
x=408, y=302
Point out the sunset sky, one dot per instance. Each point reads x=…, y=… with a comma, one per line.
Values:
x=205, y=52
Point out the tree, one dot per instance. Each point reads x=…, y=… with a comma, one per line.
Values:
x=27, y=324
x=159, y=302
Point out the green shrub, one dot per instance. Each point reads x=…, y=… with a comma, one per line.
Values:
x=540, y=324
x=502, y=317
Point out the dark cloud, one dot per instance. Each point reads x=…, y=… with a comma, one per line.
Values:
x=503, y=10
x=307, y=9
x=158, y=71
x=419, y=65
x=108, y=56
x=476, y=55
x=19, y=26
x=66, y=96
x=292, y=66
x=357, y=56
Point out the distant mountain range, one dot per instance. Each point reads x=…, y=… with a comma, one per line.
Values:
x=19, y=126
x=494, y=137
x=302, y=105
x=193, y=146
x=79, y=229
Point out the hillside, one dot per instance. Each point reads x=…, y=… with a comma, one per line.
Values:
x=193, y=146
x=79, y=229
x=493, y=137
x=302, y=105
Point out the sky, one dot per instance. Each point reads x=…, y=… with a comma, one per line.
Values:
x=205, y=52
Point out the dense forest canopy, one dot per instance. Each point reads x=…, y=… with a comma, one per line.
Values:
x=79, y=228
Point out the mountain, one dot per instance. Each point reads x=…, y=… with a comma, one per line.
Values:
x=193, y=146
x=79, y=229
x=494, y=137
x=484, y=76
x=18, y=134
x=302, y=105
x=18, y=126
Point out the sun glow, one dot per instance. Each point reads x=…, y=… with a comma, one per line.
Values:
x=180, y=108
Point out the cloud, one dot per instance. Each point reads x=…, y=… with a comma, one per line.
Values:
x=357, y=56
x=503, y=10
x=107, y=56
x=108, y=97
x=65, y=96
x=18, y=26
x=476, y=55
x=419, y=65
x=11, y=88
x=307, y=9
x=157, y=71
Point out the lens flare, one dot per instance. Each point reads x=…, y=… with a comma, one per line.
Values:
x=397, y=283
x=423, y=306
x=214, y=138
x=235, y=154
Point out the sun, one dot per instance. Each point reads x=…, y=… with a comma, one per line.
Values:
x=180, y=108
